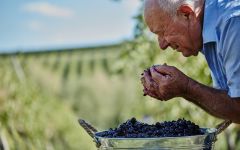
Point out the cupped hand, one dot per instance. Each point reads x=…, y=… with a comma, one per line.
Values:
x=164, y=82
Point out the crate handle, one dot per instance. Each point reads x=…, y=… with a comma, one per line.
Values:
x=222, y=126
x=90, y=130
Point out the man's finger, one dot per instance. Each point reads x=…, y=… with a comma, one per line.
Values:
x=143, y=81
x=145, y=91
x=147, y=78
x=163, y=69
x=154, y=95
x=156, y=76
x=144, y=88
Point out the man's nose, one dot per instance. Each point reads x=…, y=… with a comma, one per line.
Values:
x=163, y=44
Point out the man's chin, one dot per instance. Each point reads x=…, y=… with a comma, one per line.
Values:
x=195, y=54
x=190, y=54
x=186, y=55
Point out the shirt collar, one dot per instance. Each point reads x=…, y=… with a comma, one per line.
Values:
x=209, y=21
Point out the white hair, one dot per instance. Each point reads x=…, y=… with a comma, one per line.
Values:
x=171, y=6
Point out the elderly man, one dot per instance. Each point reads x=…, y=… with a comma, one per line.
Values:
x=189, y=26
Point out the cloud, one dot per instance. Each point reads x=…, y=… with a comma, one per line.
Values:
x=47, y=9
x=35, y=25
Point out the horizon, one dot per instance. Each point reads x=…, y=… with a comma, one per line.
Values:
x=61, y=49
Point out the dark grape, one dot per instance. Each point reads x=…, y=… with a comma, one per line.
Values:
x=133, y=128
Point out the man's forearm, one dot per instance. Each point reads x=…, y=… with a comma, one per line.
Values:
x=215, y=102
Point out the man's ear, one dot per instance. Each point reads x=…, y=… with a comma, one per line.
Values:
x=185, y=11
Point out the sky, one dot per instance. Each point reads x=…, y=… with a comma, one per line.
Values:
x=51, y=24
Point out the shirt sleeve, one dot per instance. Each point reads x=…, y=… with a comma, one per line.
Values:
x=230, y=52
x=214, y=81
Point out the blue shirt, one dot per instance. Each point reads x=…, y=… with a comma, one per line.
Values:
x=221, y=43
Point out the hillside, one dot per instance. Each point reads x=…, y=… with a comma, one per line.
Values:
x=43, y=93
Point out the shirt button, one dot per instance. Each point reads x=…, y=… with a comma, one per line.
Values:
x=229, y=82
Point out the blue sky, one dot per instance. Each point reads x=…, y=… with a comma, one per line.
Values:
x=33, y=25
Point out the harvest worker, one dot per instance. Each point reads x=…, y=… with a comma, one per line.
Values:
x=211, y=27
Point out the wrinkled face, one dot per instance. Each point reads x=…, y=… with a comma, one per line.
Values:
x=181, y=33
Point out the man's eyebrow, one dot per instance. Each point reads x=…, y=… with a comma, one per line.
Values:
x=152, y=30
x=158, y=31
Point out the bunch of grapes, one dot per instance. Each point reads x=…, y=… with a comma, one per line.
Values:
x=136, y=129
